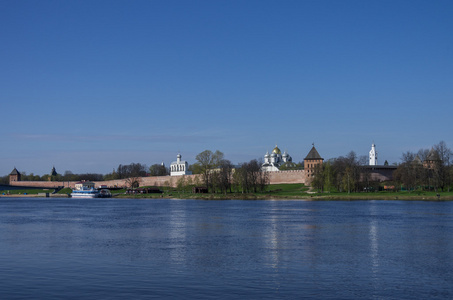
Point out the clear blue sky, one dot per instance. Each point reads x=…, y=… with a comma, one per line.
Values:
x=88, y=85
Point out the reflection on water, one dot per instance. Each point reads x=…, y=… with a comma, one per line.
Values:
x=374, y=240
x=118, y=248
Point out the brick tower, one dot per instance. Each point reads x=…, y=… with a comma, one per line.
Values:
x=312, y=160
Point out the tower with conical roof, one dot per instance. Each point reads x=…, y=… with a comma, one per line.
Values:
x=312, y=160
x=432, y=160
x=53, y=174
x=14, y=176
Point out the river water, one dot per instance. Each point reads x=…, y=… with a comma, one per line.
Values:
x=184, y=249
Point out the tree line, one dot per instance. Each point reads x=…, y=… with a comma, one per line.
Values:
x=219, y=175
x=427, y=169
x=121, y=172
x=342, y=174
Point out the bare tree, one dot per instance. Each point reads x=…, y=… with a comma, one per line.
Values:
x=133, y=182
x=225, y=175
x=131, y=170
x=263, y=180
x=442, y=168
x=409, y=171
x=253, y=172
x=423, y=154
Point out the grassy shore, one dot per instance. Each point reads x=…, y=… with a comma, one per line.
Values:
x=412, y=196
x=277, y=191
x=26, y=192
x=300, y=191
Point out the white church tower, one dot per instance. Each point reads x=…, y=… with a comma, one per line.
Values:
x=373, y=155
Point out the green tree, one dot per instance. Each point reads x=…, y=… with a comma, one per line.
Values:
x=410, y=172
x=323, y=177
x=329, y=176
x=250, y=178
x=131, y=170
x=348, y=182
x=111, y=176
x=181, y=183
x=241, y=178
x=4, y=180
x=206, y=162
x=224, y=176
x=189, y=183
x=340, y=165
x=318, y=180
x=158, y=170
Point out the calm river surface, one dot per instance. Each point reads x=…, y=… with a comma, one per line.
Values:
x=133, y=249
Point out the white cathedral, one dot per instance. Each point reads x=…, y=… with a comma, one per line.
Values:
x=273, y=161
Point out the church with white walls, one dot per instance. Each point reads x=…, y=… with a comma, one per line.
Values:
x=179, y=167
x=273, y=161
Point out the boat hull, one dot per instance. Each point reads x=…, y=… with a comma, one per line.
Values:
x=85, y=194
x=92, y=193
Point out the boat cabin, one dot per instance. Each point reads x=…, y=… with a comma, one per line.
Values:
x=84, y=185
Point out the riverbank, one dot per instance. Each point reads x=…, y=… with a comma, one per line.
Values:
x=259, y=197
x=404, y=196
x=301, y=197
x=302, y=192
x=274, y=192
x=34, y=196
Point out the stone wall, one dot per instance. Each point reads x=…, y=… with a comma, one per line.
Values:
x=44, y=184
x=297, y=176
x=149, y=181
x=378, y=173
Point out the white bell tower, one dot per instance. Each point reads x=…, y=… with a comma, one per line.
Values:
x=373, y=155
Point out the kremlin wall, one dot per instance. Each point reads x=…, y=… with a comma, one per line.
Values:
x=296, y=176
x=179, y=170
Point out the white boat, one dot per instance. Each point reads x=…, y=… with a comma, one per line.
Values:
x=85, y=193
x=86, y=189
x=91, y=193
